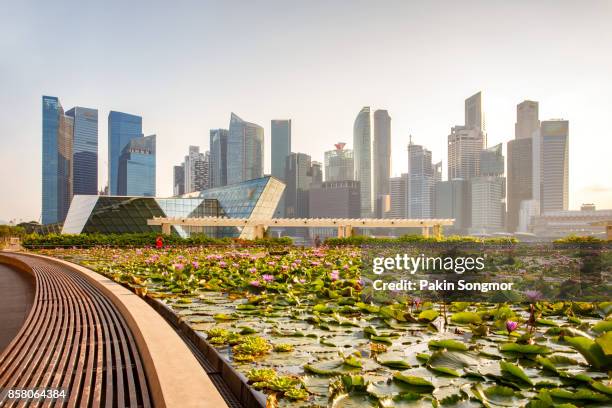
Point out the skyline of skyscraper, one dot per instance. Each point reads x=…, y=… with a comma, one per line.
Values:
x=218, y=157
x=178, y=185
x=280, y=137
x=122, y=128
x=488, y=193
x=57, y=135
x=381, y=156
x=362, y=159
x=554, y=169
x=421, y=170
x=84, y=150
x=339, y=163
x=137, y=168
x=245, y=150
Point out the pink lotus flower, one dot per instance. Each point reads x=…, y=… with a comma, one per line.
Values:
x=253, y=270
x=511, y=326
x=284, y=267
x=254, y=283
x=222, y=264
x=268, y=278
x=178, y=266
x=335, y=275
x=195, y=264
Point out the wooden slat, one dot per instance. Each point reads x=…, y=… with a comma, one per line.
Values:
x=74, y=338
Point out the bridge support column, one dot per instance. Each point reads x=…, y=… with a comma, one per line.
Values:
x=425, y=231
x=166, y=229
x=260, y=231
x=348, y=231
x=341, y=231
x=609, y=231
x=437, y=231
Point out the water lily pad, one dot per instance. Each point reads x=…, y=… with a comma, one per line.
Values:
x=448, y=344
x=525, y=348
x=514, y=371
x=466, y=318
x=413, y=380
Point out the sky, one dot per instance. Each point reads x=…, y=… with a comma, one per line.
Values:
x=185, y=66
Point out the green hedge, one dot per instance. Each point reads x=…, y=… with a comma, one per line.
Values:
x=364, y=240
x=137, y=240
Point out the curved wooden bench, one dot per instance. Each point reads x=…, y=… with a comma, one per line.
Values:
x=75, y=339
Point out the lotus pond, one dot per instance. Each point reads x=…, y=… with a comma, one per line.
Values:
x=296, y=323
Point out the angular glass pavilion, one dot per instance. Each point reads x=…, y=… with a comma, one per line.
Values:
x=116, y=214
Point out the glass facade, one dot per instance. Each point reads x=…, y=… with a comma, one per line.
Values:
x=218, y=157
x=57, y=130
x=106, y=214
x=85, y=150
x=122, y=128
x=137, y=168
x=245, y=151
x=362, y=146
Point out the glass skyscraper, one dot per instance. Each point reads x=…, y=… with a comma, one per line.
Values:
x=57, y=130
x=281, y=146
x=381, y=155
x=136, y=175
x=218, y=157
x=362, y=149
x=84, y=150
x=122, y=128
x=245, y=151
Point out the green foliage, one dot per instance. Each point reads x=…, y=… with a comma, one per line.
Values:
x=359, y=240
x=138, y=240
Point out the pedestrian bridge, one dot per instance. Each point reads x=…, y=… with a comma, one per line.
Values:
x=345, y=226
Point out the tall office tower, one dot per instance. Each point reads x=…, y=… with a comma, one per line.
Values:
x=382, y=156
x=339, y=164
x=520, y=174
x=554, y=167
x=398, y=187
x=474, y=115
x=487, y=204
x=218, y=157
x=281, y=148
x=136, y=175
x=84, y=150
x=464, y=147
x=492, y=161
x=57, y=131
x=178, y=186
x=122, y=128
x=527, y=119
x=362, y=145
x=453, y=200
x=299, y=176
x=196, y=170
x=488, y=192
x=420, y=182
x=245, y=151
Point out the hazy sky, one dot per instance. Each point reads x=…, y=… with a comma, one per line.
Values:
x=184, y=67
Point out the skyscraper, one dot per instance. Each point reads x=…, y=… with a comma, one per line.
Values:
x=339, y=164
x=281, y=146
x=136, y=173
x=84, y=150
x=527, y=119
x=474, y=115
x=178, y=185
x=122, y=128
x=196, y=170
x=554, y=168
x=398, y=188
x=245, y=150
x=362, y=145
x=281, y=149
x=298, y=179
x=466, y=142
x=382, y=155
x=453, y=199
x=57, y=133
x=488, y=192
x=420, y=182
x=218, y=157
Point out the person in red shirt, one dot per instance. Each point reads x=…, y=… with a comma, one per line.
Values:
x=159, y=242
